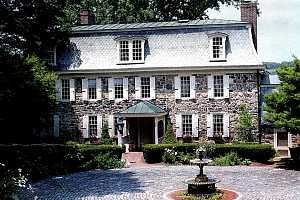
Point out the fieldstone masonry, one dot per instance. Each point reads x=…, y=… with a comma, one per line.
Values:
x=242, y=86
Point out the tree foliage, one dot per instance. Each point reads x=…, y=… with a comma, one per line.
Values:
x=169, y=137
x=245, y=126
x=129, y=11
x=283, y=105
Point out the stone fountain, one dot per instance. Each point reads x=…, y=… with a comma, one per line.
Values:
x=201, y=184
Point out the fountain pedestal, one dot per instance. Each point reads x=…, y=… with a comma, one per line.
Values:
x=201, y=184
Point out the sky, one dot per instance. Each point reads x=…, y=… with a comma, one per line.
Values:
x=278, y=28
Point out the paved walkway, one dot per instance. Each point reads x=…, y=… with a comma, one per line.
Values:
x=149, y=183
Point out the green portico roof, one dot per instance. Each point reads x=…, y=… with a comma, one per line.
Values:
x=143, y=107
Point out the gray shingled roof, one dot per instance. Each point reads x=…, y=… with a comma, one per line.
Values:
x=152, y=25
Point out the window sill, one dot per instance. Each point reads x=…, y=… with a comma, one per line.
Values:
x=219, y=98
x=218, y=60
x=131, y=62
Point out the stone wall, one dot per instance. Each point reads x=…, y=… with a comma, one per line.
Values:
x=242, y=86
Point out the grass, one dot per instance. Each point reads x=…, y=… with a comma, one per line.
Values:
x=215, y=196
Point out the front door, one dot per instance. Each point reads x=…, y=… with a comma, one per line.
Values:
x=141, y=131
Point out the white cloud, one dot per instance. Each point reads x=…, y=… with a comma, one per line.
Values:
x=278, y=28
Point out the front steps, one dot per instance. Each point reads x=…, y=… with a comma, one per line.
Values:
x=133, y=159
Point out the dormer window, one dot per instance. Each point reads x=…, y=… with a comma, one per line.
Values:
x=217, y=46
x=131, y=50
x=50, y=56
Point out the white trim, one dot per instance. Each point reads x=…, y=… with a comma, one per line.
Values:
x=111, y=125
x=138, y=90
x=209, y=125
x=58, y=89
x=111, y=89
x=195, y=125
x=152, y=87
x=84, y=89
x=178, y=119
x=226, y=125
x=98, y=89
x=192, y=87
x=125, y=88
x=177, y=87
x=99, y=125
x=226, y=86
x=85, y=126
x=72, y=89
x=56, y=125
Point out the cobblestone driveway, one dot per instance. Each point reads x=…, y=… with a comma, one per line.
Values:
x=150, y=183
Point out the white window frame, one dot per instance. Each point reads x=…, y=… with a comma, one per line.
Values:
x=211, y=86
x=186, y=79
x=94, y=124
x=86, y=125
x=226, y=124
x=215, y=77
x=130, y=46
x=67, y=89
x=222, y=125
x=95, y=90
x=177, y=81
x=190, y=124
x=51, y=50
x=211, y=37
x=148, y=88
x=122, y=92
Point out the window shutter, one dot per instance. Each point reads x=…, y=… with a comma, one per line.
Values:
x=226, y=86
x=210, y=86
x=210, y=128
x=226, y=125
x=72, y=89
x=85, y=126
x=58, y=90
x=111, y=89
x=195, y=125
x=125, y=88
x=111, y=125
x=125, y=127
x=178, y=125
x=99, y=126
x=223, y=48
x=152, y=87
x=177, y=87
x=137, y=87
x=84, y=89
x=98, y=88
x=56, y=125
x=193, y=87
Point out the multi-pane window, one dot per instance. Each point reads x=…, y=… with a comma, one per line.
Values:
x=136, y=50
x=218, y=86
x=187, y=125
x=145, y=87
x=124, y=50
x=118, y=83
x=92, y=125
x=218, y=124
x=217, y=47
x=92, y=89
x=50, y=56
x=185, y=86
x=65, y=89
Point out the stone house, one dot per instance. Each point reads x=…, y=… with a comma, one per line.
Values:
x=133, y=77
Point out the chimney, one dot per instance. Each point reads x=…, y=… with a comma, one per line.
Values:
x=249, y=13
x=86, y=17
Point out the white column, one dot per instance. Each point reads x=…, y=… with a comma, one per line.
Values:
x=156, y=130
x=119, y=138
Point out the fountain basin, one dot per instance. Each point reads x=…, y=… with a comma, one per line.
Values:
x=201, y=187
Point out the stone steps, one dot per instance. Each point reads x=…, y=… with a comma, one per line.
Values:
x=133, y=159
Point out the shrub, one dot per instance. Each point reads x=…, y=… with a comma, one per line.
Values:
x=169, y=156
x=11, y=180
x=105, y=138
x=104, y=161
x=256, y=152
x=245, y=126
x=185, y=158
x=169, y=137
x=246, y=162
x=43, y=160
x=230, y=159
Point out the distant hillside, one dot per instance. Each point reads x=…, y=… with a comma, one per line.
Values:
x=274, y=65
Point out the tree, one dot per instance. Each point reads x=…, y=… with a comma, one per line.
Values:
x=105, y=138
x=245, y=126
x=169, y=137
x=130, y=11
x=283, y=105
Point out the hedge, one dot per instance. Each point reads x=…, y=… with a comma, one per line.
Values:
x=43, y=160
x=256, y=152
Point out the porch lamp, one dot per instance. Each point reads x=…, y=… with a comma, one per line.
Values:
x=120, y=125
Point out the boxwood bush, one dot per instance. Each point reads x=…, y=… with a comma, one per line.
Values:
x=256, y=152
x=43, y=160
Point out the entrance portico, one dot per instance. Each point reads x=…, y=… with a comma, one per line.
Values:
x=145, y=124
